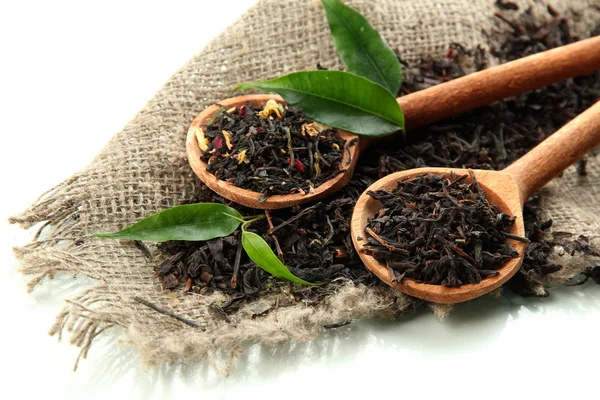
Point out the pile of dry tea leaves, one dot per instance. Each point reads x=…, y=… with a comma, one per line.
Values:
x=270, y=150
x=439, y=230
x=314, y=239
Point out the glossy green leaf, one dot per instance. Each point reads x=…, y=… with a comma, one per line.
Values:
x=339, y=99
x=202, y=221
x=361, y=47
x=259, y=251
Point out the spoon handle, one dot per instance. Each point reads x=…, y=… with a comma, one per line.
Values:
x=484, y=87
x=557, y=152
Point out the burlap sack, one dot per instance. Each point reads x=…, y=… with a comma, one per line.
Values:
x=134, y=176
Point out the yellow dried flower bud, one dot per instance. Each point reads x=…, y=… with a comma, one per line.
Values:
x=203, y=141
x=313, y=129
x=227, y=136
x=241, y=157
x=271, y=105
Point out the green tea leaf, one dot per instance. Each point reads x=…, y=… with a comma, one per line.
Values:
x=202, y=221
x=259, y=251
x=338, y=99
x=361, y=47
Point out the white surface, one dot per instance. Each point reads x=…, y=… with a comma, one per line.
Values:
x=64, y=65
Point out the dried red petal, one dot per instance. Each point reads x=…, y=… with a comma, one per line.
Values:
x=298, y=166
x=242, y=111
x=449, y=54
x=217, y=142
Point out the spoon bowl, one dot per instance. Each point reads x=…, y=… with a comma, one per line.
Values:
x=500, y=189
x=250, y=198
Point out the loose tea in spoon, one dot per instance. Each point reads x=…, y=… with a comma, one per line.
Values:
x=439, y=230
x=270, y=150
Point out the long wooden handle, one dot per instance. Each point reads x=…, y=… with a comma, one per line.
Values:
x=480, y=88
x=557, y=152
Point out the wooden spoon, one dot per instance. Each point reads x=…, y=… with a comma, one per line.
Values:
x=508, y=189
x=420, y=109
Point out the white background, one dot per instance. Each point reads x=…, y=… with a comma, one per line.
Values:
x=71, y=75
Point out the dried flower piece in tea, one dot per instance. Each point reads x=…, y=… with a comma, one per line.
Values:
x=440, y=230
x=271, y=150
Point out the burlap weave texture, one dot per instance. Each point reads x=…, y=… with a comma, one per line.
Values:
x=137, y=174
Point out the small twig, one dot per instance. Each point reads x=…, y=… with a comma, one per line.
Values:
x=288, y=135
x=338, y=325
x=169, y=313
x=384, y=243
x=294, y=218
x=236, y=265
x=331, y=231
x=457, y=180
x=279, y=252
x=517, y=237
x=140, y=245
x=514, y=25
x=456, y=249
x=311, y=167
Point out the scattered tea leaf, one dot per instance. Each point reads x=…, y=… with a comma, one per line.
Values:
x=259, y=251
x=338, y=99
x=194, y=222
x=361, y=47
